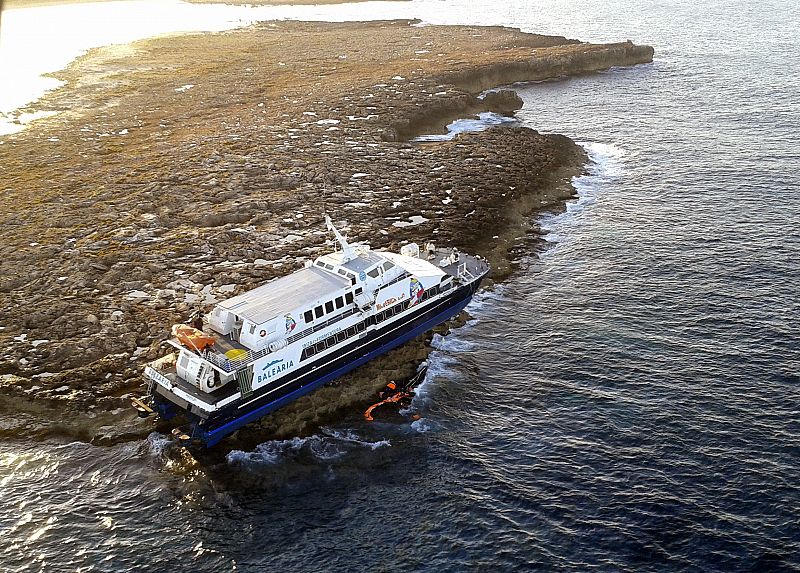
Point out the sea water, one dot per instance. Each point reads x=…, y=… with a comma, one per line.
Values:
x=626, y=401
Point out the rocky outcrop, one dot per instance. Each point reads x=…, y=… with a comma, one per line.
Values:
x=192, y=168
x=502, y=101
x=561, y=61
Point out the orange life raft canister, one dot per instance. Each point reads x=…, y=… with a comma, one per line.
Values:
x=192, y=338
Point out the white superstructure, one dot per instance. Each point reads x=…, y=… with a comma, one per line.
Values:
x=266, y=338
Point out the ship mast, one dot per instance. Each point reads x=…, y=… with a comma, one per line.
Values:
x=347, y=251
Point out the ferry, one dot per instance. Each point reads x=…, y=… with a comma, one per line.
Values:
x=265, y=348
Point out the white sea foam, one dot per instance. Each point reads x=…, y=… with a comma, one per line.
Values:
x=423, y=425
x=485, y=121
x=453, y=343
x=440, y=365
x=483, y=298
x=329, y=445
x=353, y=438
x=442, y=362
x=267, y=453
x=156, y=444
x=607, y=163
x=608, y=159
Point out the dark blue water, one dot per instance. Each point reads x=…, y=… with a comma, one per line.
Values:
x=628, y=401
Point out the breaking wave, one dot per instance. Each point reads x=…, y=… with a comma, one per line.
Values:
x=157, y=444
x=606, y=164
x=330, y=444
x=424, y=425
x=485, y=121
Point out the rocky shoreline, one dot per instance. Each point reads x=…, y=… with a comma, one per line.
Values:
x=183, y=170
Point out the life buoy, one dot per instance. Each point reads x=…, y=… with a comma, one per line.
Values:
x=263, y=333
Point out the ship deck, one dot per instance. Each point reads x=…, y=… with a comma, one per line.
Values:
x=472, y=265
x=223, y=343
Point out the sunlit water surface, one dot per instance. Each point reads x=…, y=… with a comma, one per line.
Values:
x=628, y=401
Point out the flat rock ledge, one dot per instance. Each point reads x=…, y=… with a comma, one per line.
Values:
x=183, y=170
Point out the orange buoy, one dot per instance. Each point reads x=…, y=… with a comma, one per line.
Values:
x=193, y=338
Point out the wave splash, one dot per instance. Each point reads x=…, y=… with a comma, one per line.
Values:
x=607, y=163
x=330, y=444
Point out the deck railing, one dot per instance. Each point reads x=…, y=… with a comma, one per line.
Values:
x=464, y=274
x=230, y=365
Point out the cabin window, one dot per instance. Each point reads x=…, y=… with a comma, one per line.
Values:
x=342, y=272
x=353, y=281
x=388, y=265
x=361, y=326
x=339, y=302
x=320, y=346
x=351, y=331
x=329, y=266
x=184, y=361
x=252, y=328
x=308, y=316
x=340, y=336
x=311, y=351
x=373, y=273
x=359, y=290
x=348, y=297
x=330, y=341
x=329, y=306
x=318, y=311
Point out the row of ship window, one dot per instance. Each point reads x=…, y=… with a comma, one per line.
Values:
x=339, y=302
x=328, y=307
x=343, y=335
x=372, y=273
x=334, y=339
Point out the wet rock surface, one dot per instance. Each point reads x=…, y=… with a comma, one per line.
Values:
x=184, y=170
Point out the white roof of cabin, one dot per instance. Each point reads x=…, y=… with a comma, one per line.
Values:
x=414, y=266
x=302, y=288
